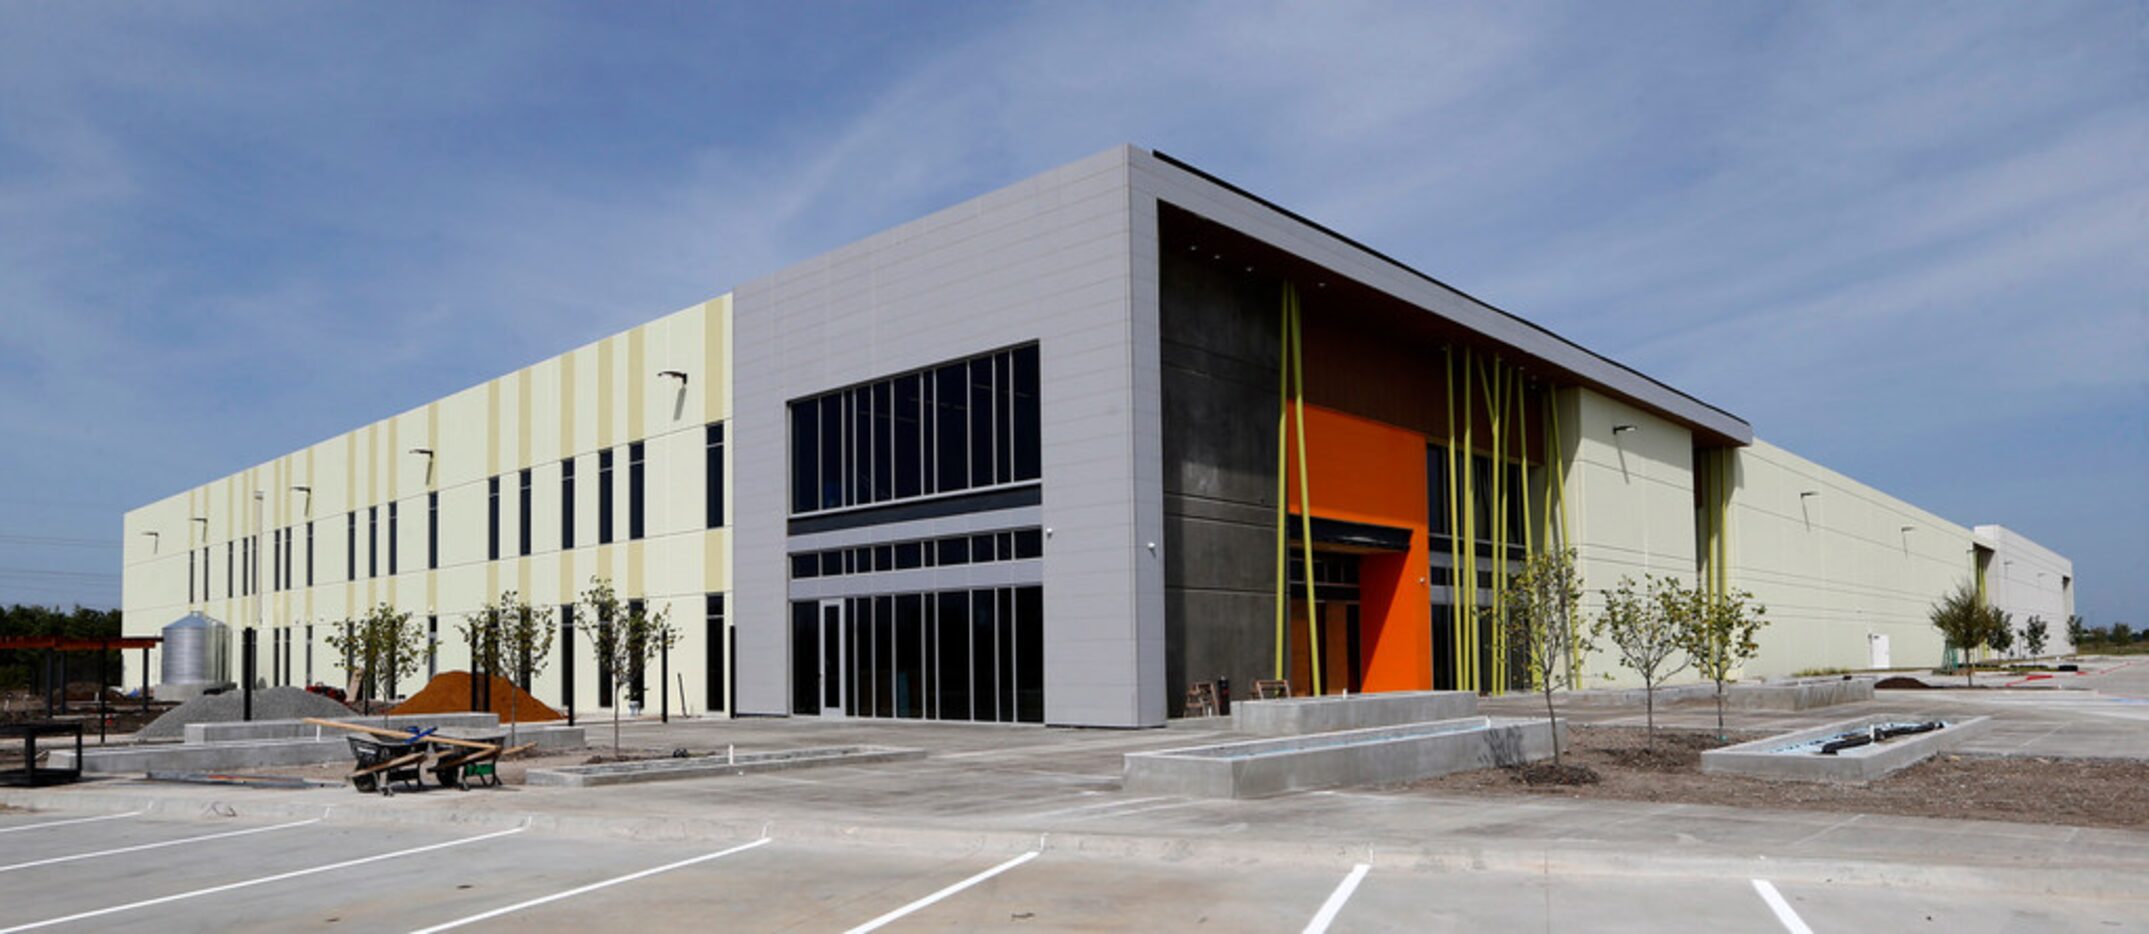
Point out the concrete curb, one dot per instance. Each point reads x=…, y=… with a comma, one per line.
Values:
x=2025, y=875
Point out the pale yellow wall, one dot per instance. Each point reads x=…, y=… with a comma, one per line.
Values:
x=1837, y=567
x=606, y=393
x=1832, y=569
x=1630, y=494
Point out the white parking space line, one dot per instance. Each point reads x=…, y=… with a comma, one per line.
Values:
x=1327, y=915
x=886, y=919
x=1791, y=921
x=159, y=845
x=63, y=823
x=594, y=886
x=264, y=880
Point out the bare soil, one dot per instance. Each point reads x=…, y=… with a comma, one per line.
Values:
x=2073, y=792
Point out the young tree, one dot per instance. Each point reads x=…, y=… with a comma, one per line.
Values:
x=2076, y=635
x=387, y=642
x=1963, y=623
x=2000, y=631
x=1645, y=628
x=2121, y=634
x=524, y=637
x=1718, y=634
x=2033, y=636
x=623, y=637
x=483, y=632
x=1540, y=619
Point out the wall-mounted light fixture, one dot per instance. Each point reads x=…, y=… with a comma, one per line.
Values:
x=1802, y=494
x=204, y=520
x=155, y=541
x=1623, y=429
x=1910, y=528
x=427, y=452
x=301, y=488
x=679, y=375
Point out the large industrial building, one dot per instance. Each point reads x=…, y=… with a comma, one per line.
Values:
x=1023, y=460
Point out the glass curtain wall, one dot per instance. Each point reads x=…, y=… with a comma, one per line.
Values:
x=971, y=424
x=943, y=655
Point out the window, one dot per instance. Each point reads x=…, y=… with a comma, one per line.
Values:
x=190, y=575
x=350, y=545
x=719, y=677
x=713, y=473
x=393, y=538
x=604, y=497
x=948, y=655
x=963, y=425
x=523, y=530
x=290, y=546
x=309, y=552
x=230, y=578
x=567, y=504
x=432, y=530
x=636, y=493
x=373, y=541
x=432, y=646
x=246, y=564
x=206, y=562
x=276, y=561
x=492, y=518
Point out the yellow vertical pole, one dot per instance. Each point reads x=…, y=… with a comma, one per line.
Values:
x=1555, y=455
x=1496, y=515
x=1305, y=487
x=1283, y=506
x=1522, y=473
x=1468, y=512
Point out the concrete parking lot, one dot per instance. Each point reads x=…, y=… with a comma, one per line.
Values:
x=136, y=873
x=1025, y=827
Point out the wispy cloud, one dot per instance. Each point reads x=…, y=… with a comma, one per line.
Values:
x=1885, y=234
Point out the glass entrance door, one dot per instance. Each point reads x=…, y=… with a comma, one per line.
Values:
x=832, y=655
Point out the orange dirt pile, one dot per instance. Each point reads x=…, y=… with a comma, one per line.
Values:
x=449, y=692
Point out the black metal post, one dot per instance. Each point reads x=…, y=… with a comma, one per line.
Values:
x=103, y=649
x=46, y=674
x=246, y=674
x=145, y=679
x=664, y=683
x=60, y=658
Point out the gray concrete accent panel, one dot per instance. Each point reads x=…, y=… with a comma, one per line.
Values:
x=1051, y=259
x=1380, y=756
x=1290, y=716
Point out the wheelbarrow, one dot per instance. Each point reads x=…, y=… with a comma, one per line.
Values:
x=381, y=765
x=460, y=765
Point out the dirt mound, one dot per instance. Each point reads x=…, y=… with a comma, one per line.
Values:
x=1545, y=773
x=284, y=703
x=449, y=692
x=1900, y=683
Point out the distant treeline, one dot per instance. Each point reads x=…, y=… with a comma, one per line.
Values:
x=19, y=670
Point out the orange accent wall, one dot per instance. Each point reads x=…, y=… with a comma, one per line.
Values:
x=1368, y=471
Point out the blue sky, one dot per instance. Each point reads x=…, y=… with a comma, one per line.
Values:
x=1909, y=240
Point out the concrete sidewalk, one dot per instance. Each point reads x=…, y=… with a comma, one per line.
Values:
x=1006, y=788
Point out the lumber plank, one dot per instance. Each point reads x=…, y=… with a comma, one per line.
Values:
x=399, y=734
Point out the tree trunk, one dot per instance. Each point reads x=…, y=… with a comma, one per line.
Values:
x=615, y=723
x=1552, y=723
x=1649, y=704
x=1719, y=711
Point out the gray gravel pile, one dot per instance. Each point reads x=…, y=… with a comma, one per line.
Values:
x=286, y=703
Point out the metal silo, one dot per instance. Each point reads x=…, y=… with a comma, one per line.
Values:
x=197, y=652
